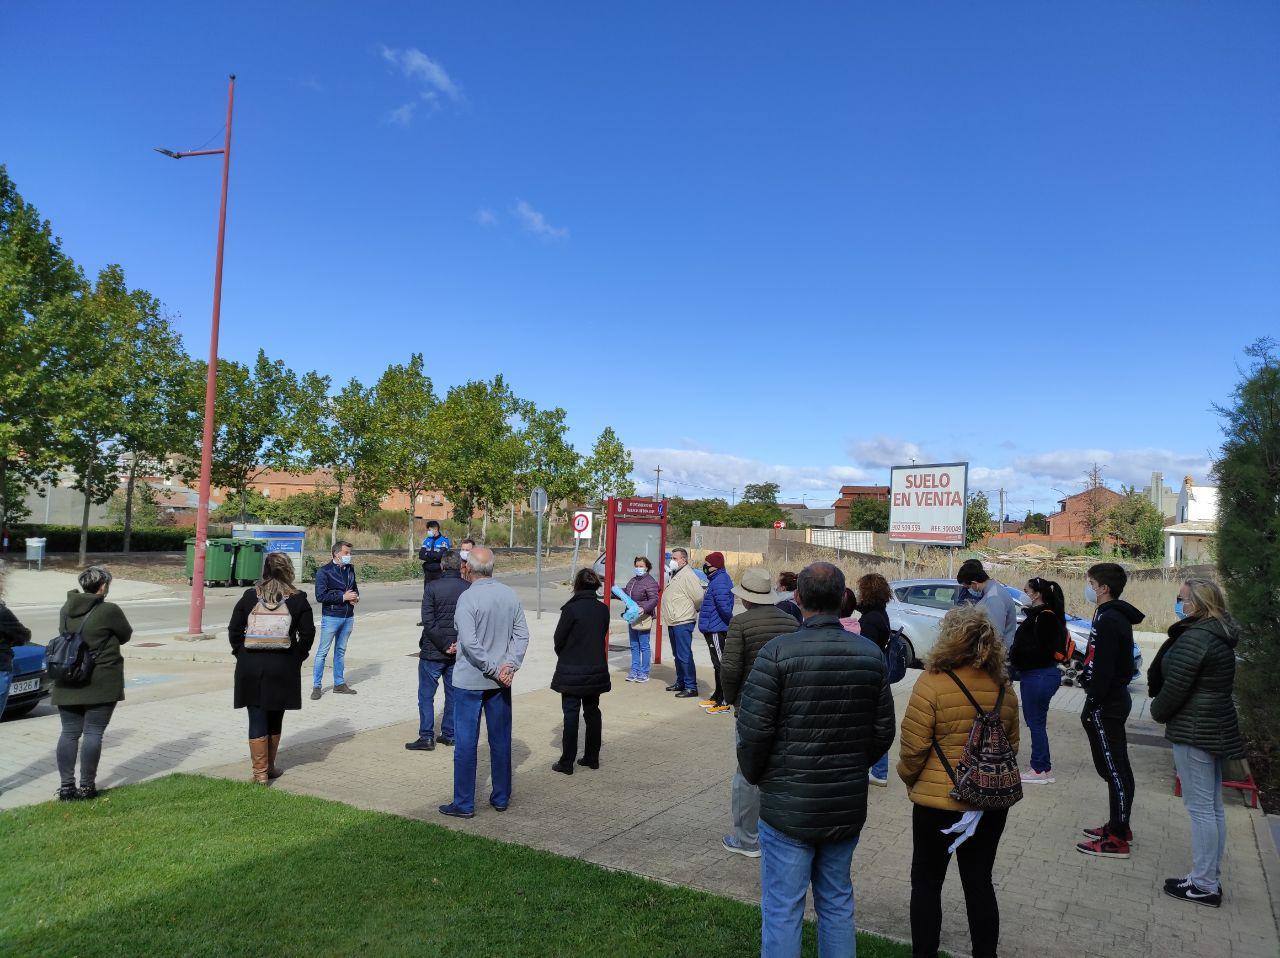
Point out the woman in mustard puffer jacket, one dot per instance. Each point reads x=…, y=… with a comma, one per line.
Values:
x=969, y=647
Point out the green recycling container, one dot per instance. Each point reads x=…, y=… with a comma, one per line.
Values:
x=219, y=559
x=250, y=554
x=191, y=558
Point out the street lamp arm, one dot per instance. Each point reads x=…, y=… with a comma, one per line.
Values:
x=183, y=155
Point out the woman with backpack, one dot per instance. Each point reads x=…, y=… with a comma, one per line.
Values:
x=1191, y=683
x=271, y=633
x=1041, y=642
x=86, y=708
x=874, y=595
x=964, y=673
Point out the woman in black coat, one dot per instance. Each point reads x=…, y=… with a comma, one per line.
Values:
x=582, y=669
x=268, y=679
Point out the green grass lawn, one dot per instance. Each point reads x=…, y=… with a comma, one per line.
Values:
x=194, y=866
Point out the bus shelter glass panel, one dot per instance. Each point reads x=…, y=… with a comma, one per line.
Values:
x=636, y=539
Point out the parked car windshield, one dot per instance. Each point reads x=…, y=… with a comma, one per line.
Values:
x=932, y=596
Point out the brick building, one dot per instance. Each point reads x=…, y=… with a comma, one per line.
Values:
x=851, y=494
x=1071, y=522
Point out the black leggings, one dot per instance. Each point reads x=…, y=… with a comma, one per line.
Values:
x=715, y=645
x=82, y=728
x=264, y=722
x=590, y=706
x=929, y=860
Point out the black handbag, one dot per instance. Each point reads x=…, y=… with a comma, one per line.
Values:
x=68, y=657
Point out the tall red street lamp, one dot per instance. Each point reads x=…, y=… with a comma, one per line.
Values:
x=195, y=626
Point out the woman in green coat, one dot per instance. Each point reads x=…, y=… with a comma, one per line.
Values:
x=1191, y=683
x=86, y=710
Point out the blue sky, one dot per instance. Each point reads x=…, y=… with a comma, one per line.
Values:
x=796, y=242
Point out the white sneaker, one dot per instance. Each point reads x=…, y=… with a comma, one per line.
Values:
x=1030, y=777
x=881, y=782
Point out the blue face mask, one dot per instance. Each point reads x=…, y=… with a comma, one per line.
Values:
x=1178, y=610
x=344, y=560
x=976, y=593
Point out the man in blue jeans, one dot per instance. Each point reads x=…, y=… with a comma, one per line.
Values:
x=492, y=639
x=814, y=713
x=681, y=600
x=438, y=651
x=337, y=593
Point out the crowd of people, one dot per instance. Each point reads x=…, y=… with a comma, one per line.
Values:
x=805, y=668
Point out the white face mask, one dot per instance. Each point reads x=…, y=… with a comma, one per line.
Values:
x=640, y=570
x=1090, y=594
x=673, y=565
x=464, y=553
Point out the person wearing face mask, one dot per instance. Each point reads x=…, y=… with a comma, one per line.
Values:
x=643, y=590
x=681, y=600
x=713, y=623
x=1105, y=677
x=337, y=593
x=990, y=596
x=434, y=546
x=1192, y=684
x=465, y=547
x=1037, y=645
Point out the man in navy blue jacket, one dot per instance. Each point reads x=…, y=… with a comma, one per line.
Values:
x=713, y=623
x=337, y=593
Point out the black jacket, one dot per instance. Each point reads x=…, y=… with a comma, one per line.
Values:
x=271, y=679
x=748, y=633
x=1192, y=680
x=12, y=632
x=789, y=606
x=874, y=623
x=439, y=602
x=1038, y=636
x=1108, y=661
x=582, y=665
x=815, y=713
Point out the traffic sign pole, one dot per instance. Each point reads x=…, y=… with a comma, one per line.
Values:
x=538, y=503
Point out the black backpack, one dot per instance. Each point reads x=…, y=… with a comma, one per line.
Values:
x=896, y=657
x=68, y=657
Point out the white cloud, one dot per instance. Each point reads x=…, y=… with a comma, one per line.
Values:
x=1128, y=466
x=534, y=222
x=698, y=473
x=486, y=217
x=402, y=115
x=417, y=66
x=885, y=451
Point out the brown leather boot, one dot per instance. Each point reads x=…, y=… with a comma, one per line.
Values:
x=273, y=746
x=258, y=752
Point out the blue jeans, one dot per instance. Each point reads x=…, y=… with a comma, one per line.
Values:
x=334, y=631
x=639, y=652
x=880, y=769
x=6, y=679
x=429, y=675
x=496, y=705
x=1201, y=776
x=1037, y=688
x=787, y=868
x=682, y=651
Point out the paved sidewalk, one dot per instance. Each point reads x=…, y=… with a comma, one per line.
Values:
x=658, y=807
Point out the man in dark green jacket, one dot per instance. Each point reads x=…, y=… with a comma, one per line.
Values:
x=748, y=633
x=815, y=712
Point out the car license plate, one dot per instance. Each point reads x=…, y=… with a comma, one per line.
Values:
x=26, y=685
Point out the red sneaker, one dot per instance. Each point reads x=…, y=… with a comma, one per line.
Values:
x=1101, y=830
x=1108, y=846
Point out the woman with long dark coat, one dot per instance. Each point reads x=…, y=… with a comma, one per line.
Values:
x=271, y=633
x=582, y=669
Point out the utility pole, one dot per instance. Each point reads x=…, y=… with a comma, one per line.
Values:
x=733, y=497
x=1002, y=508
x=195, y=619
x=657, y=482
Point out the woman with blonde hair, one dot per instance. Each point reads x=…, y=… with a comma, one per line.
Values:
x=271, y=633
x=1191, y=683
x=966, y=666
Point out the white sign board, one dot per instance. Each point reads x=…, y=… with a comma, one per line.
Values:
x=582, y=525
x=927, y=503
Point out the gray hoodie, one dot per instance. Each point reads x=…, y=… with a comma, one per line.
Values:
x=492, y=632
x=1001, y=610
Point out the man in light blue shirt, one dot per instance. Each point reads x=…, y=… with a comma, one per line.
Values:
x=493, y=637
x=993, y=598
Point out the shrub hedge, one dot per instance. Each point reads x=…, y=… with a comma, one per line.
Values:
x=105, y=538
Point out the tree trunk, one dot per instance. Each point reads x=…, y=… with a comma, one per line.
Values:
x=84, y=523
x=333, y=533
x=4, y=502
x=244, y=505
x=412, y=553
x=484, y=526
x=128, y=503
x=546, y=545
x=511, y=530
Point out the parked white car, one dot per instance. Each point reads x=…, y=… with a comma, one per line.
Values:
x=919, y=604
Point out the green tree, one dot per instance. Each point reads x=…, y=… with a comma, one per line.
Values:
x=681, y=514
x=550, y=461
x=1136, y=525
x=608, y=469
x=335, y=431
x=476, y=450
x=401, y=436
x=868, y=515
x=766, y=492
x=1249, y=545
x=978, y=522
x=39, y=285
x=755, y=515
x=1036, y=522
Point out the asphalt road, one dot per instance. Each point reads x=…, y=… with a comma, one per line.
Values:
x=166, y=613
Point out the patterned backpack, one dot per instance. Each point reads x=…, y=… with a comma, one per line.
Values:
x=987, y=776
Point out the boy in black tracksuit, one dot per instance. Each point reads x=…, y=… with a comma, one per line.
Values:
x=1105, y=676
